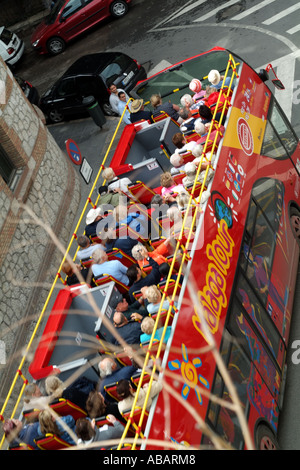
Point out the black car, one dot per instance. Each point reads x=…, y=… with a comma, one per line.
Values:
x=90, y=76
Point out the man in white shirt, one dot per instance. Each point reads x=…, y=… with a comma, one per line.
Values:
x=87, y=248
x=114, y=99
x=121, y=106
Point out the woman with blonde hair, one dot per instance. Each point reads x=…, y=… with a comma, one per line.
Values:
x=147, y=327
x=169, y=185
x=167, y=108
x=62, y=426
x=76, y=393
x=153, y=297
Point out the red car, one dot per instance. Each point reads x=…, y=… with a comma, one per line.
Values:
x=69, y=18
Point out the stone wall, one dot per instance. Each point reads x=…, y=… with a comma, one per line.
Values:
x=50, y=188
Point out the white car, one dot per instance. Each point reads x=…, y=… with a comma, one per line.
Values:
x=11, y=46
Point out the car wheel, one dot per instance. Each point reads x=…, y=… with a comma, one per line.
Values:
x=118, y=8
x=55, y=116
x=107, y=109
x=295, y=223
x=265, y=439
x=56, y=46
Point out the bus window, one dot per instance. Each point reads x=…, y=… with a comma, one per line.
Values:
x=279, y=140
x=258, y=315
x=221, y=418
x=241, y=328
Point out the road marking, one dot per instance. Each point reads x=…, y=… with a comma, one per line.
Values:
x=282, y=14
x=187, y=9
x=293, y=30
x=245, y=13
x=215, y=10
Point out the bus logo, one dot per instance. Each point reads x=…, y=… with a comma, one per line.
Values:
x=245, y=136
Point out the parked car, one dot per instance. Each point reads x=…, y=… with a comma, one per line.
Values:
x=69, y=18
x=11, y=46
x=29, y=90
x=90, y=76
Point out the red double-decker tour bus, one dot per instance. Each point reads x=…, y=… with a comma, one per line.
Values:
x=223, y=336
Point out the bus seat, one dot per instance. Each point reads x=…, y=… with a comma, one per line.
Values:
x=141, y=192
x=65, y=407
x=105, y=278
x=51, y=442
x=111, y=390
x=136, y=418
x=21, y=446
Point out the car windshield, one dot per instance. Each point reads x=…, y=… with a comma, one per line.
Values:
x=54, y=12
x=115, y=68
x=174, y=82
x=6, y=36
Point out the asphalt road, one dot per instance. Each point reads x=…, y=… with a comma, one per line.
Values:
x=158, y=33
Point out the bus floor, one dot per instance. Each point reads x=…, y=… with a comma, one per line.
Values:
x=289, y=421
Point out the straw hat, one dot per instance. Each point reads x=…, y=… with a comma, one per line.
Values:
x=214, y=77
x=136, y=105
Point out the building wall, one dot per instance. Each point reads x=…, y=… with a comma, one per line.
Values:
x=18, y=10
x=49, y=187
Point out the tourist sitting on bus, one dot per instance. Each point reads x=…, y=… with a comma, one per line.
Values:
x=129, y=330
x=33, y=398
x=188, y=120
x=110, y=372
x=96, y=406
x=195, y=86
x=134, y=311
x=169, y=185
x=16, y=432
x=154, y=296
x=92, y=219
x=167, y=108
x=188, y=103
x=138, y=112
x=111, y=241
x=140, y=253
x=127, y=394
x=114, y=268
x=87, y=247
x=137, y=281
x=216, y=79
x=191, y=174
x=77, y=274
x=89, y=434
x=49, y=424
x=133, y=219
x=77, y=392
x=114, y=183
x=181, y=145
x=164, y=270
x=147, y=328
x=178, y=164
